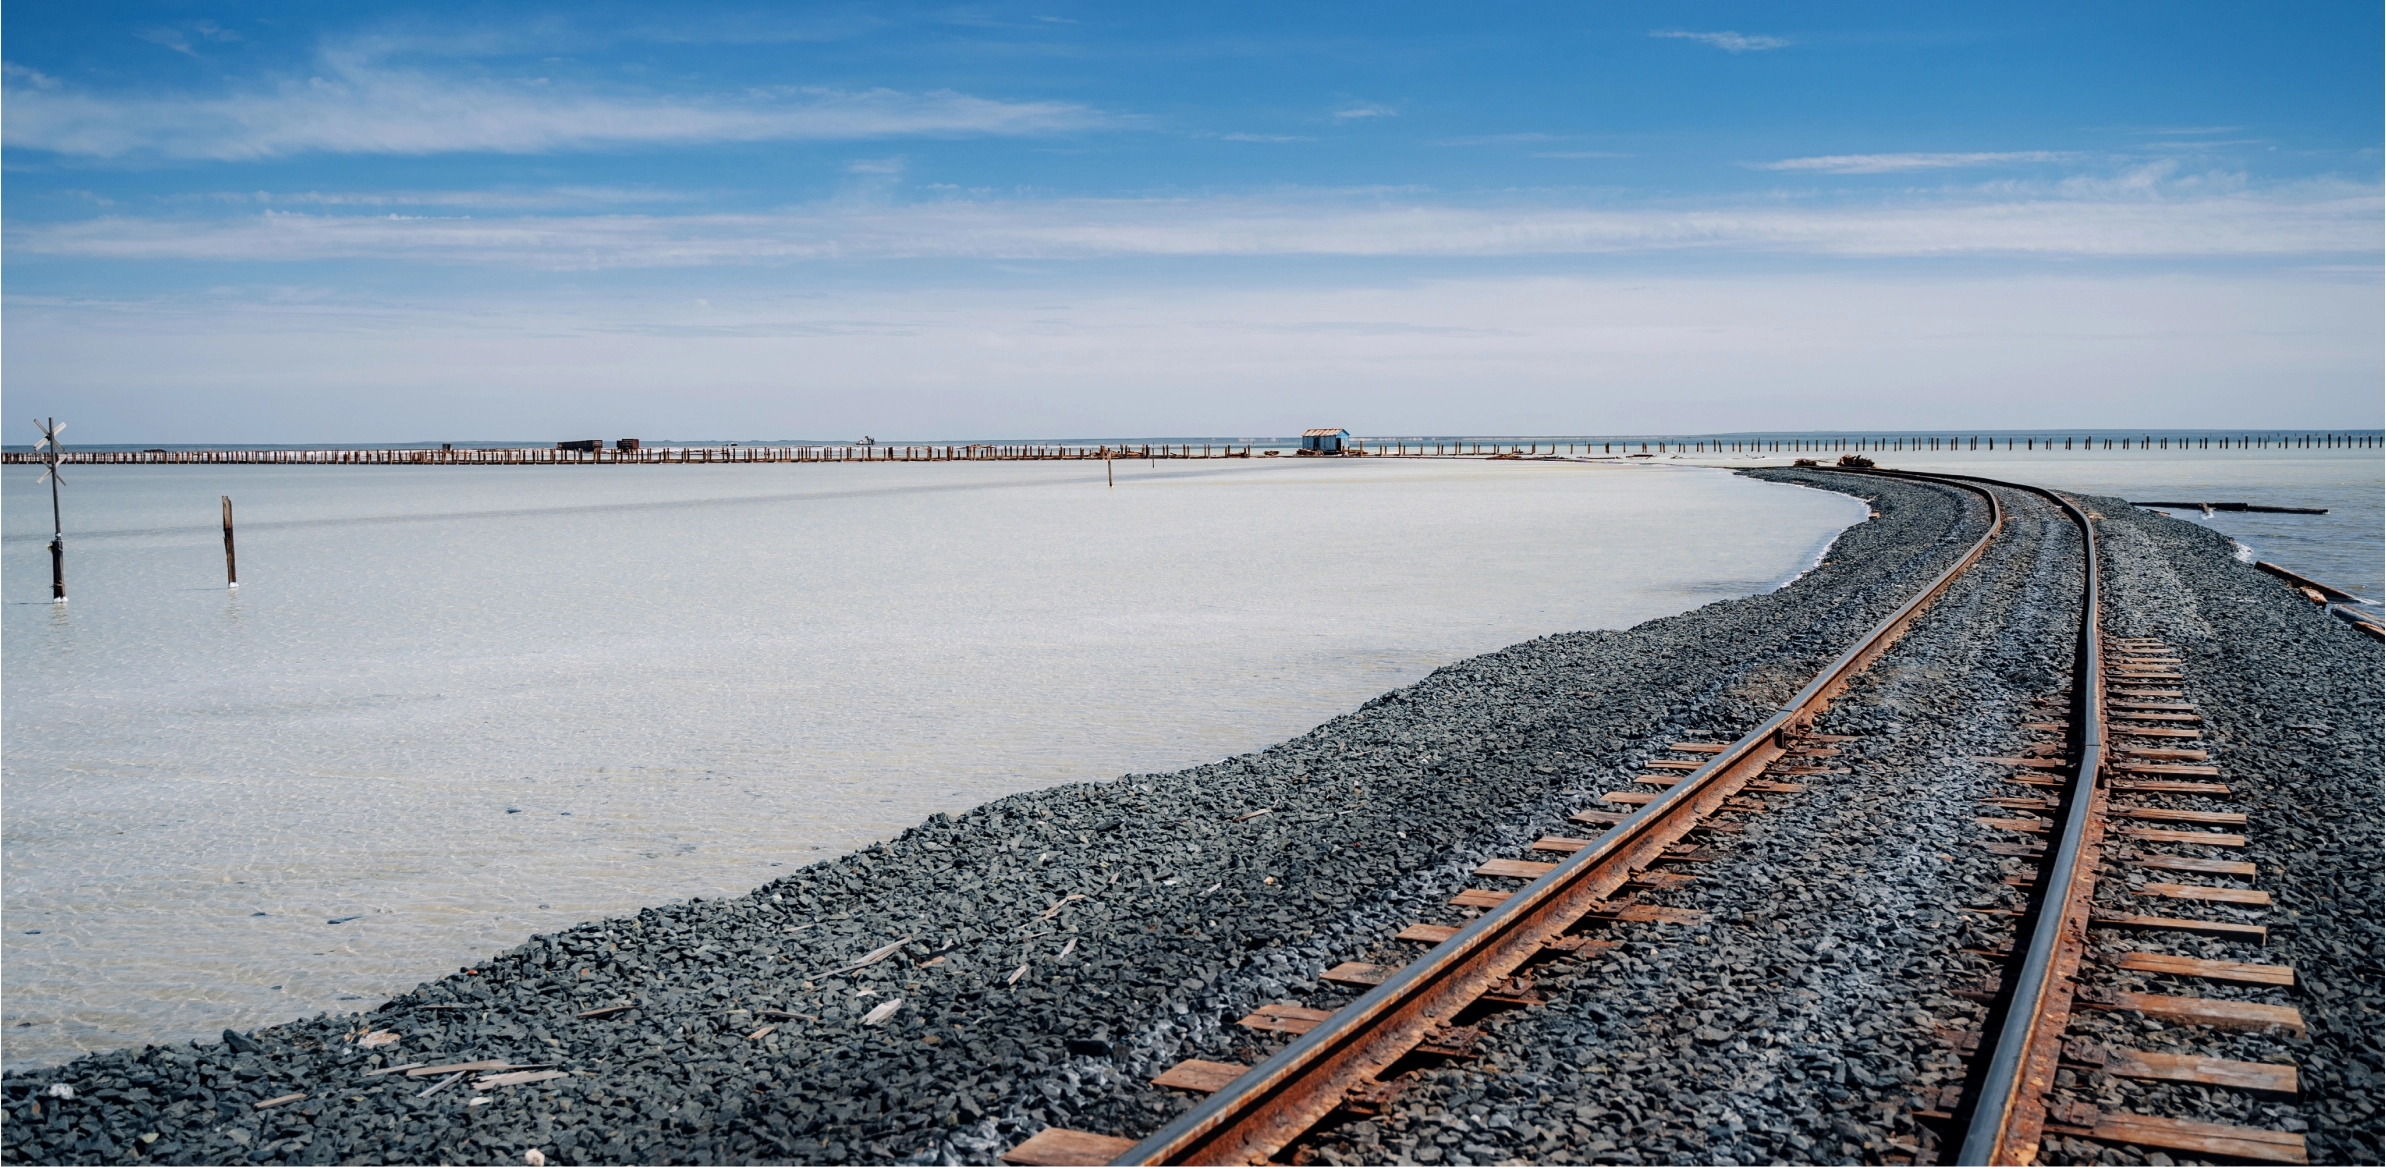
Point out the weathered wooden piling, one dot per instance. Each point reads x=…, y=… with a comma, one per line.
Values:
x=231, y=569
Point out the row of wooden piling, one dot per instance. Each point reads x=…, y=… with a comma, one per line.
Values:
x=1386, y=447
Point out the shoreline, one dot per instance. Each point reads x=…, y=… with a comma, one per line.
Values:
x=1021, y=1005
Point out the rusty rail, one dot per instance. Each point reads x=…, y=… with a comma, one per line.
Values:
x=1274, y=1103
x=2008, y=1111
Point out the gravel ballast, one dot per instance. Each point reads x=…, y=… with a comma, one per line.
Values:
x=1195, y=908
x=1039, y=958
x=1806, y=1021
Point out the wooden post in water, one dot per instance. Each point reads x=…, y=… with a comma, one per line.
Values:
x=231, y=571
x=49, y=443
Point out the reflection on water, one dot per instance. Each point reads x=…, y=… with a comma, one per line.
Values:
x=454, y=706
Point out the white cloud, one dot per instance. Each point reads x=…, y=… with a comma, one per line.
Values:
x=1730, y=42
x=1534, y=355
x=548, y=198
x=2134, y=215
x=1891, y=163
x=1364, y=110
x=356, y=107
x=178, y=37
x=1502, y=139
x=24, y=76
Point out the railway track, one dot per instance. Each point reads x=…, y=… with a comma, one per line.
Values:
x=2101, y=799
x=1347, y=1061
x=2125, y=801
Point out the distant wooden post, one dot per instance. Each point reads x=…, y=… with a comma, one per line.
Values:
x=1109, y=467
x=49, y=443
x=231, y=571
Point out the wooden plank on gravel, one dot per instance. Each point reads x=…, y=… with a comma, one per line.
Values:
x=2032, y=826
x=1687, y=853
x=1774, y=787
x=2218, y=818
x=1054, y=1147
x=1353, y=972
x=1628, y=797
x=1667, y=780
x=1607, y=818
x=2191, y=863
x=1559, y=844
x=2158, y=786
x=1579, y=945
x=2160, y=717
x=2173, y=755
x=1427, y=933
x=459, y=1068
x=2253, y=932
x=2032, y=763
x=1648, y=914
x=2206, y=838
x=2210, y=895
x=2202, y=1139
x=2259, y=1077
x=2211, y=970
x=522, y=1078
x=2206, y=1011
x=1515, y=868
x=2167, y=768
x=1199, y=1076
x=1667, y=880
x=1672, y=764
x=1478, y=898
x=1699, y=747
x=2155, y=731
x=1284, y=1017
x=2018, y=850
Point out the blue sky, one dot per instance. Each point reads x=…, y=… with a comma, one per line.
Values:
x=358, y=223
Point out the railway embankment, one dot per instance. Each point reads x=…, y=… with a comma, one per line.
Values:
x=1147, y=913
x=1034, y=962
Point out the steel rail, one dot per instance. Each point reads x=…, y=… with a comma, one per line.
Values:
x=1277, y=1101
x=2008, y=1112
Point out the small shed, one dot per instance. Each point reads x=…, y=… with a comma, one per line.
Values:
x=1325, y=441
x=626, y=444
x=584, y=445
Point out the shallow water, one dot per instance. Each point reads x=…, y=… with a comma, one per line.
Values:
x=2345, y=548
x=462, y=705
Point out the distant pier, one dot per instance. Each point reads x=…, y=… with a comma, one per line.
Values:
x=1174, y=451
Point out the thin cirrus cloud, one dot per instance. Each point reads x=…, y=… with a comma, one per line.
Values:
x=1730, y=42
x=2141, y=222
x=359, y=108
x=548, y=198
x=1502, y=139
x=1893, y=163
